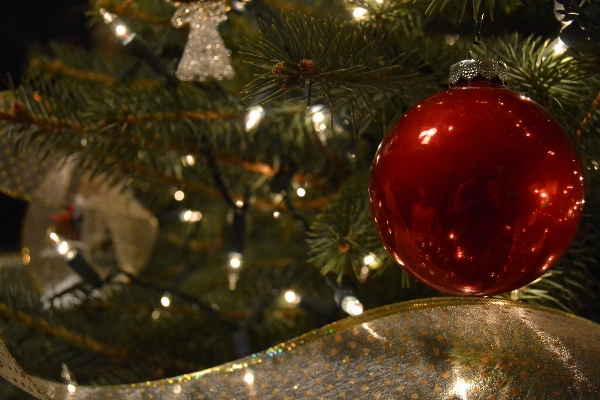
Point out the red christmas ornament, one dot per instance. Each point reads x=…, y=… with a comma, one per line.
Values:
x=476, y=190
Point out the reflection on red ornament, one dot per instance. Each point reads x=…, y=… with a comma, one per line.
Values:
x=476, y=190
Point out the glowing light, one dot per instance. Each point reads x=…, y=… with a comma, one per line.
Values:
x=364, y=273
x=276, y=214
x=239, y=204
x=318, y=117
x=26, y=257
x=235, y=260
x=70, y=255
x=71, y=388
x=121, y=30
x=459, y=253
x=155, y=315
x=461, y=388
x=179, y=195
x=369, y=259
x=352, y=306
x=559, y=47
x=63, y=248
x=190, y=216
x=189, y=160
x=107, y=16
x=239, y=5
x=165, y=301
x=233, y=278
x=359, y=12
x=249, y=378
x=291, y=297
x=427, y=135
x=254, y=116
x=301, y=192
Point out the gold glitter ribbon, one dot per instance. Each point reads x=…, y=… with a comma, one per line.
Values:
x=445, y=348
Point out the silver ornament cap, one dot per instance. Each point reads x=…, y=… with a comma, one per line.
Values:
x=487, y=68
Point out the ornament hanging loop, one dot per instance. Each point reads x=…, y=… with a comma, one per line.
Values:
x=477, y=33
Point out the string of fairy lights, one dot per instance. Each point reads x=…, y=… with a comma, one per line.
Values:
x=344, y=297
x=320, y=119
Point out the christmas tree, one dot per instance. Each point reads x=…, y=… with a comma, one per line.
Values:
x=197, y=178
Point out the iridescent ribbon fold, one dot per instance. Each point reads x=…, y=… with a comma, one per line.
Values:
x=447, y=348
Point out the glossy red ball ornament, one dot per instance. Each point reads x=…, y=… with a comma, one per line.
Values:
x=476, y=190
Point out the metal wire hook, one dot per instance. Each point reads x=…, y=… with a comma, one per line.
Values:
x=477, y=32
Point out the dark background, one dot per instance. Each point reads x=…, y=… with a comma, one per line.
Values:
x=23, y=23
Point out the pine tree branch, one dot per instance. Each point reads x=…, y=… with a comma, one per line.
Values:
x=52, y=127
x=343, y=234
x=505, y=5
x=82, y=341
x=553, y=80
x=127, y=9
x=332, y=58
x=589, y=116
x=58, y=68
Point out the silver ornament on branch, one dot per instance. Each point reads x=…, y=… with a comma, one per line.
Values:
x=205, y=54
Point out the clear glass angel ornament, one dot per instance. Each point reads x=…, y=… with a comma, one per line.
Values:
x=205, y=54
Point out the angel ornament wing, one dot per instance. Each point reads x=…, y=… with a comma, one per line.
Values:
x=205, y=54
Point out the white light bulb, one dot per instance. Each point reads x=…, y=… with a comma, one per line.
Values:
x=301, y=192
x=121, y=30
x=291, y=297
x=165, y=301
x=369, y=259
x=249, y=378
x=235, y=260
x=71, y=388
x=560, y=47
x=190, y=216
x=359, y=12
x=318, y=117
x=352, y=306
x=190, y=160
x=179, y=195
x=254, y=117
x=63, y=248
x=107, y=16
x=238, y=5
